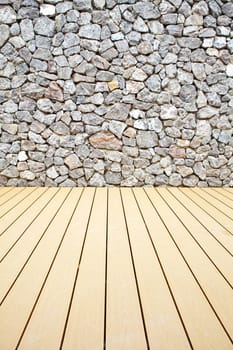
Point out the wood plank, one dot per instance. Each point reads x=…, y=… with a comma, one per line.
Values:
x=47, y=322
x=210, y=246
x=9, y=199
x=123, y=332
x=27, y=288
x=195, y=311
x=202, y=268
x=224, y=191
x=17, y=228
x=220, y=196
x=216, y=203
x=12, y=264
x=213, y=227
x=85, y=327
x=20, y=208
x=222, y=219
x=4, y=191
x=163, y=325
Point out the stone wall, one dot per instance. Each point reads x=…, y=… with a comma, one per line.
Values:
x=116, y=92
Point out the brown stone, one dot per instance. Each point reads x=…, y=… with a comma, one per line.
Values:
x=54, y=92
x=105, y=140
x=176, y=152
x=72, y=161
x=113, y=85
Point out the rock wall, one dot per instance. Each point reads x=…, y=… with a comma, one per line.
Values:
x=116, y=92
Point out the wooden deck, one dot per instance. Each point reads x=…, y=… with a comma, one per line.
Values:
x=116, y=269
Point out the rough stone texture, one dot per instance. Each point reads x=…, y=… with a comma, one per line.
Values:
x=116, y=92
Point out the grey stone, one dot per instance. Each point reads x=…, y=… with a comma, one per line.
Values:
x=44, y=26
x=207, y=112
x=7, y=15
x=190, y=181
x=146, y=10
x=227, y=9
x=90, y=31
x=97, y=180
x=146, y=139
x=191, y=43
x=83, y=5
x=119, y=111
x=4, y=34
x=154, y=83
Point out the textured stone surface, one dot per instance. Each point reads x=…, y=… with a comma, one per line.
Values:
x=116, y=92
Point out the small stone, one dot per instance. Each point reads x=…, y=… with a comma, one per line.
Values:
x=10, y=172
x=97, y=180
x=86, y=89
x=27, y=175
x=207, y=112
x=7, y=15
x=175, y=180
x=227, y=9
x=10, y=128
x=140, y=26
x=176, y=152
x=47, y=10
x=154, y=83
x=130, y=181
x=113, y=178
x=139, y=75
x=60, y=128
x=145, y=48
x=168, y=112
x=156, y=27
x=99, y=4
x=146, y=10
x=105, y=140
x=22, y=156
x=117, y=128
x=184, y=170
x=146, y=139
x=54, y=92
x=90, y=31
x=191, y=43
x=190, y=181
x=44, y=26
x=83, y=5
x=199, y=170
x=113, y=85
x=52, y=173
x=229, y=70
x=119, y=111
x=72, y=161
x=198, y=71
x=36, y=138
x=4, y=34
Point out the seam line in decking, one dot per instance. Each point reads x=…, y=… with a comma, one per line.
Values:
x=135, y=274
x=50, y=267
x=201, y=221
x=214, y=218
x=77, y=273
x=30, y=223
x=162, y=269
x=21, y=190
x=219, y=200
x=34, y=249
x=12, y=222
x=17, y=203
x=194, y=276
x=106, y=275
x=210, y=203
x=196, y=241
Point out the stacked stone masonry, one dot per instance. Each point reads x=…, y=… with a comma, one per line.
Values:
x=116, y=92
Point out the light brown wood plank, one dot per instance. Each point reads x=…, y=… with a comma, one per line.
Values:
x=220, y=206
x=214, y=228
x=20, y=208
x=47, y=323
x=195, y=311
x=11, y=199
x=203, y=269
x=163, y=325
x=16, y=309
x=222, y=219
x=4, y=191
x=123, y=332
x=220, y=196
x=85, y=328
x=213, y=249
x=11, y=266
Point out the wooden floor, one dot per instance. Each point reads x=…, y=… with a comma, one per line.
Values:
x=116, y=269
